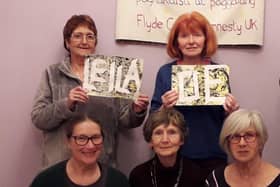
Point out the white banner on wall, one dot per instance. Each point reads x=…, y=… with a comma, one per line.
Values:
x=236, y=22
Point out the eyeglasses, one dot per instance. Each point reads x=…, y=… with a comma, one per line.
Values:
x=171, y=134
x=78, y=37
x=83, y=140
x=248, y=137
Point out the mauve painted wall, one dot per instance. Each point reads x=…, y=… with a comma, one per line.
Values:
x=31, y=39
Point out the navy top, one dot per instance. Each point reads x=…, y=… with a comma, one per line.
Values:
x=204, y=122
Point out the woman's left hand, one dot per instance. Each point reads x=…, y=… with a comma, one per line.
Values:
x=230, y=104
x=141, y=103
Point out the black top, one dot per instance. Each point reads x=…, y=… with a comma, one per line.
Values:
x=217, y=179
x=56, y=176
x=191, y=176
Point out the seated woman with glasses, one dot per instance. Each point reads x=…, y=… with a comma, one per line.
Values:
x=243, y=137
x=60, y=95
x=165, y=131
x=85, y=141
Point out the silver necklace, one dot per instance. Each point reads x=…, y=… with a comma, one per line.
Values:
x=154, y=174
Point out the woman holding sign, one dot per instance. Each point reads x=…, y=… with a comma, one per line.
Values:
x=192, y=41
x=60, y=95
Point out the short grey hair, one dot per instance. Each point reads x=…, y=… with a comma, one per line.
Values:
x=239, y=121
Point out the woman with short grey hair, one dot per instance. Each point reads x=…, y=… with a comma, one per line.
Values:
x=243, y=137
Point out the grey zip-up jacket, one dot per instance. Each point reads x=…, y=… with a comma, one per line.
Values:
x=50, y=112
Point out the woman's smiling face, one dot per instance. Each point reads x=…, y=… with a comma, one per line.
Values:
x=82, y=42
x=191, y=44
x=88, y=153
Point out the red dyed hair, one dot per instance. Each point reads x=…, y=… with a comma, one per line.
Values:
x=192, y=22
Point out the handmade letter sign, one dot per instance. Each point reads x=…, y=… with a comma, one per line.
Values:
x=200, y=84
x=113, y=76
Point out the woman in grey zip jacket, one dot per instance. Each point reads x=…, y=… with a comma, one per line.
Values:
x=60, y=95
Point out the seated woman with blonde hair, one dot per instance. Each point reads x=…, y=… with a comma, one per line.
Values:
x=243, y=137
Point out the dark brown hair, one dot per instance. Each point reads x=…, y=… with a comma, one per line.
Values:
x=75, y=120
x=191, y=22
x=76, y=21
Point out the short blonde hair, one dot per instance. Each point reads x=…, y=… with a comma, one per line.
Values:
x=239, y=121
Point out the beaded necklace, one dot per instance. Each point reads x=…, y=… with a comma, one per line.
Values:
x=154, y=174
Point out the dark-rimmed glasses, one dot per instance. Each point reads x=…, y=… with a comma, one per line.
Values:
x=78, y=37
x=83, y=140
x=248, y=137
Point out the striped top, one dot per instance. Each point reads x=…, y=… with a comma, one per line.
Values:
x=217, y=179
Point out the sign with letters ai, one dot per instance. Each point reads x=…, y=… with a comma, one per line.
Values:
x=113, y=76
x=200, y=84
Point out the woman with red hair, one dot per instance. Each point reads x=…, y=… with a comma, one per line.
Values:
x=192, y=41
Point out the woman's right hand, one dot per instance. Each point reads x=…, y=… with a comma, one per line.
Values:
x=169, y=98
x=77, y=94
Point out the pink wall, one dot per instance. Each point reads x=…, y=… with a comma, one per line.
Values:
x=31, y=39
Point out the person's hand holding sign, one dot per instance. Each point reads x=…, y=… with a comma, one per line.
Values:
x=169, y=98
x=141, y=103
x=77, y=94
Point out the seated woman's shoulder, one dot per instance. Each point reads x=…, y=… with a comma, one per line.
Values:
x=273, y=173
x=193, y=174
x=275, y=169
x=140, y=174
x=141, y=170
x=116, y=178
x=52, y=176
